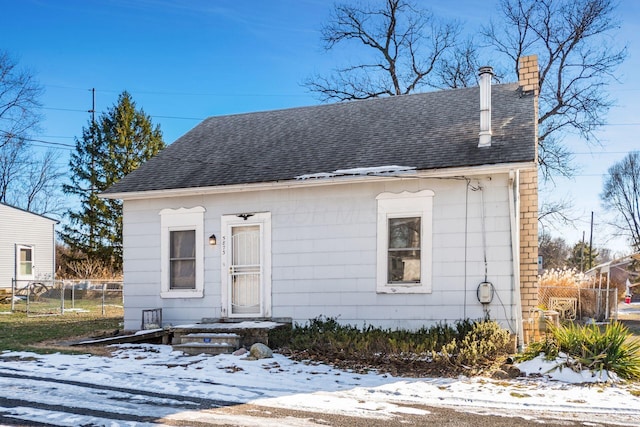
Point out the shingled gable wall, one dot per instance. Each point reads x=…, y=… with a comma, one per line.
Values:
x=529, y=82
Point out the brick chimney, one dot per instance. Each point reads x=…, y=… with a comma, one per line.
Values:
x=528, y=74
x=486, y=74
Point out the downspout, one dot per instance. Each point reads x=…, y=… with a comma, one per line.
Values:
x=514, y=216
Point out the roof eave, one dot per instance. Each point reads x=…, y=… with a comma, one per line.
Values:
x=302, y=183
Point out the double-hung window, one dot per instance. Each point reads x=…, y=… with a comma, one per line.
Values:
x=404, y=242
x=182, y=252
x=182, y=259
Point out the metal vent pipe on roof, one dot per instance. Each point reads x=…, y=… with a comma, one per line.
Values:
x=486, y=74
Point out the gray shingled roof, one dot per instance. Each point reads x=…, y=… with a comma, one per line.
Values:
x=425, y=131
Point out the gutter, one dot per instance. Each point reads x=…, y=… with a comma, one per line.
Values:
x=514, y=216
x=298, y=183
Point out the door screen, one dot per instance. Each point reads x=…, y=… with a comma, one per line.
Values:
x=245, y=269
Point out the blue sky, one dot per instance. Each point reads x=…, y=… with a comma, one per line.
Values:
x=183, y=61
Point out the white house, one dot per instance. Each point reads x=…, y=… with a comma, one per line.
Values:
x=399, y=212
x=27, y=246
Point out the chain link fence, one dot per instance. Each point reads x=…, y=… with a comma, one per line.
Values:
x=56, y=297
x=580, y=303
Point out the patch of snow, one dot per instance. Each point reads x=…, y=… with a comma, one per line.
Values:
x=157, y=381
x=247, y=324
x=559, y=369
x=148, y=331
x=374, y=171
x=75, y=310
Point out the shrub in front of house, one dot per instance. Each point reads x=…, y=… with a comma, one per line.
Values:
x=481, y=346
x=468, y=345
x=592, y=347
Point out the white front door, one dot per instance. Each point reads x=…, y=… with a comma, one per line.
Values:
x=24, y=263
x=246, y=269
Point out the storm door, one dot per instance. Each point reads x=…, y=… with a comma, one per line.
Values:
x=244, y=271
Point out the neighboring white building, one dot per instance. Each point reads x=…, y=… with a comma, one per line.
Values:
x=27, y=246
x=399, y=212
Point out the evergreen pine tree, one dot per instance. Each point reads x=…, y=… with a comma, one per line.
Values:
x=581, y=258
x=111, y=147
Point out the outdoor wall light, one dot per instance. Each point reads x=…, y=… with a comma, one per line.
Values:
x=212, y=240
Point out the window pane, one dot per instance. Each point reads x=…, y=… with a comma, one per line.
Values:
x=404, y=233
x=182, y=260
x=26, y=264
x=25, y=254
x=183, y=274
x=25, y=269
x=404, y=250
x=404, y=266
x=183, y=244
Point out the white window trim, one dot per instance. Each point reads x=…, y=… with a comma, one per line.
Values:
x=179, y=220
x=399, y=205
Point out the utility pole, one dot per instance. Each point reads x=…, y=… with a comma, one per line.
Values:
x=582, y=254
x=93, y=171
x=591, y=243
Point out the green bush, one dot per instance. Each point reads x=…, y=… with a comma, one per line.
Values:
x=467, y=344
x=590, y=347
x=485, y=342
x=326, y=334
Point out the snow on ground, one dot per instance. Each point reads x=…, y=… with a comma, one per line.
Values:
x=280, y=382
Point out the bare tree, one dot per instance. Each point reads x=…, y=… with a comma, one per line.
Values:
x=407, y=48
x=12, y=160
x=41, y=189
x=28, y=180
x=552, y=212
x=19, y=105
x=577, y=59
x=460, y=66
x=621, y=195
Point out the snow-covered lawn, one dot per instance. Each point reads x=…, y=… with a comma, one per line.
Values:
x=281, y=382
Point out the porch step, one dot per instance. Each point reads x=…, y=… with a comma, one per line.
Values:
x=207, y=342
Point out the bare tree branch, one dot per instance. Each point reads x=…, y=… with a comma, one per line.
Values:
x=621, y=195
x=407, y=48
x=19, y=105
x=572, y=39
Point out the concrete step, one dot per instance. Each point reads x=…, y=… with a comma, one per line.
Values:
x=195, y=348
x=207, y=342
x=208, y=338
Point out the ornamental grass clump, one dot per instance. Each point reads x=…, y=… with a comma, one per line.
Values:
x=591, y=347
x=561, y=278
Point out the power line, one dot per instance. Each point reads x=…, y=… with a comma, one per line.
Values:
x=151, y=115
x=56, y=148
x=179, y=118
x=178, y=93
x=61, y=144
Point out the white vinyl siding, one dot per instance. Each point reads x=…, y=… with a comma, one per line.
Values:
x=24, y=229
x=324, y=257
